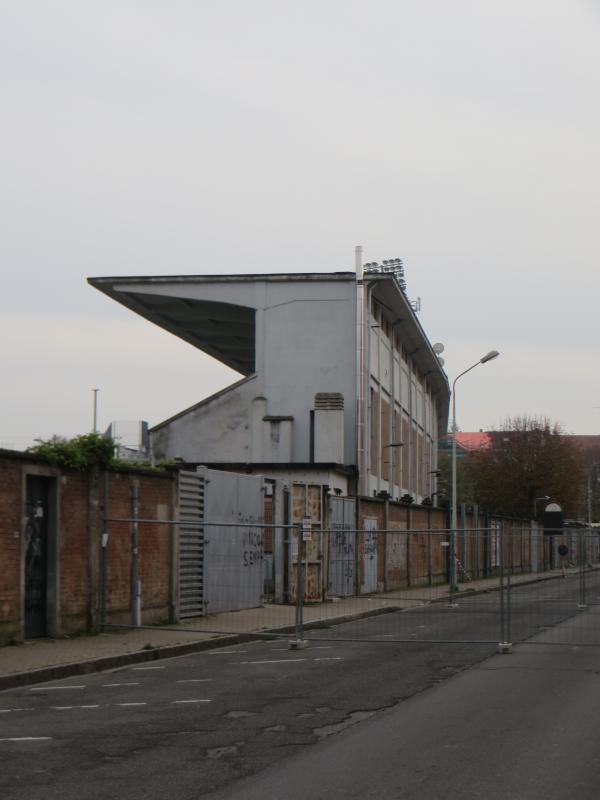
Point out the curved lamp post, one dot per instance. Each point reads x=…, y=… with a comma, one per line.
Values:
x=452, y=567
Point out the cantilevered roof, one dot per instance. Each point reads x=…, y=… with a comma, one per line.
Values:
x=224, y=330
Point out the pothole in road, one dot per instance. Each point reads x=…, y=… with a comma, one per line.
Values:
x=355, y=716
x=219, y=752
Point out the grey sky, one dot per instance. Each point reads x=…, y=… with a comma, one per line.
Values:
x=266, y=136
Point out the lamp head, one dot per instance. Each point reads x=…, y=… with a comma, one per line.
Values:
x=489, y=356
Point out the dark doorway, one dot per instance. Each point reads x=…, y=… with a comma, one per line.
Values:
x=36, y=555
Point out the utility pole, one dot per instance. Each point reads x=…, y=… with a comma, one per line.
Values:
x=95, y=391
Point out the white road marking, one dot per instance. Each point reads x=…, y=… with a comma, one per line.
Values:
x=195, y=680
x=61, y=708
x=9, y=710
x=110, y=685
x=225, y=652
x=96, y=706
x=131, y=704
x=320, y=647
x=27, y=739
x=176, y=702
x=329, y=658
x=278, y=661
x=140, y=668
x=53, y=688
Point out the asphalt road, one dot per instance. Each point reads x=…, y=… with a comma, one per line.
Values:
x=187, y=727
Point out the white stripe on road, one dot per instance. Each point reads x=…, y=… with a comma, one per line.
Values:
x=278, y=661
x=140, y=668
x=329, y=658
x=61, y=708
x=131, y=704
x=53, y=688
x=225, y=652
x=9, y=710
x=88, y=706
x=176, y=702
x=195, y=680
x=27, y=739
x=110, y=685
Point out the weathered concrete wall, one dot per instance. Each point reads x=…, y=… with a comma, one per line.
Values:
x=305, y=344
x=217, y=429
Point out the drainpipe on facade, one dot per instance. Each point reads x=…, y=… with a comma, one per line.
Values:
x=366, y=384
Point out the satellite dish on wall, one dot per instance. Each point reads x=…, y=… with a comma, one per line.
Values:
x=438, y=348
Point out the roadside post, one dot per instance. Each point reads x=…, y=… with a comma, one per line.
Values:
x=505, y=644
x=304, y=534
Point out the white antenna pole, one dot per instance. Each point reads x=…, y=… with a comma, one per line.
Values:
x=95, y=391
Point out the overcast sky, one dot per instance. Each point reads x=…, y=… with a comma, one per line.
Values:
x=223, y=136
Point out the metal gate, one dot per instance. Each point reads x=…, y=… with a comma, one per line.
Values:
x=233, y=556
x=342, y=548
x=220, y=565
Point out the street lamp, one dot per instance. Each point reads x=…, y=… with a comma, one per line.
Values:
x=452, y=568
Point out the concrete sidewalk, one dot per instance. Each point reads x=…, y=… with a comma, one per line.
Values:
x=39, y=660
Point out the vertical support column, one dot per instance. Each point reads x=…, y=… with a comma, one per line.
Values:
x=104, y=552
x=135, y=583
x=299, y=643
x=504, y=645
x=582, y=588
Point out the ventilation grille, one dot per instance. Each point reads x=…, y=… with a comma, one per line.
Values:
x=329, y=401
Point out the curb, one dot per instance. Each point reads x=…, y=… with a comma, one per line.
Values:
x=45, y=674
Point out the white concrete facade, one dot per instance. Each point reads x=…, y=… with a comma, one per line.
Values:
x=335, y=370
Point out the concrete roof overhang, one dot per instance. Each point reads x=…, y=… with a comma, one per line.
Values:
x=223, y=330
x=386, y=290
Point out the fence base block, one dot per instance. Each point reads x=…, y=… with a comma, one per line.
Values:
x=505, y=647
x=298, y=644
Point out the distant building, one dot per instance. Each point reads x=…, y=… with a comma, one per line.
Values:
x=131, y=438
x=340, y=385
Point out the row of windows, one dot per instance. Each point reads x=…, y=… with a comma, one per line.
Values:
x=408, y=466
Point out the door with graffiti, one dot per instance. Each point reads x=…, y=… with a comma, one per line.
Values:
x=369, y=556
x=36, y=555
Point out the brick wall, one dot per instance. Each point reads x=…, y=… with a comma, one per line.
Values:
x=75, y=532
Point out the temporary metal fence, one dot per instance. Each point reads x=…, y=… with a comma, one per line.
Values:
x=500, y=585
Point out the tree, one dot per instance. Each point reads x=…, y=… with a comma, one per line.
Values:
x=528, y=458
x=81, y=453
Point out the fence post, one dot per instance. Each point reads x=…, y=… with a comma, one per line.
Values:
x=135, y=585
x=582, y=593
x=103, y=552
x=299, y=642
x=504, y=645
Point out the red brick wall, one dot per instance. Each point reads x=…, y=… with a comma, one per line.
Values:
x=78, y=528
x=10, y=549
